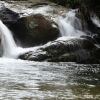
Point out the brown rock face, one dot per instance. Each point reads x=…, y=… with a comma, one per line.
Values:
x=35, y=29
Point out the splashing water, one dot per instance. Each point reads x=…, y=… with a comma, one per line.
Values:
x=95, y=20
x=10, y=49
x=7, y=40
x=70, y=25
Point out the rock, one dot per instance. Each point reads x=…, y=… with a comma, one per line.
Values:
x=74, y=50
x=35, y=29
x=7, y=15
x=60, y=2
x=38, y=55
x=33, y=23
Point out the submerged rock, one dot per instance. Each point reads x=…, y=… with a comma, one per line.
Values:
x=73, y=50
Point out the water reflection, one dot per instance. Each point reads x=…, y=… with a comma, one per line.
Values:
x=23, y=80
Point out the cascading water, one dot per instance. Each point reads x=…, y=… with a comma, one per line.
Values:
x=70, y=25
x=7, y=40
x=95, y=20
x=10, y=49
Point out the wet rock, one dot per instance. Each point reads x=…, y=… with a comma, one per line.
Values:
x=38, y=55
x=35, y=29
x=7, y=15
x=74, y=50
x=31, y=23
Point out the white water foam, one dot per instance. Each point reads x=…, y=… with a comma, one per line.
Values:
x=95, y=20
x=7, y=40
x=10, y=49
x=70, y=25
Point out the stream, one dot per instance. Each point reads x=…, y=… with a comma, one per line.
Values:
x=31, y=80
x=27, y=80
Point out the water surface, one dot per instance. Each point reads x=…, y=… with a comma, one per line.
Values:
x=24, y=80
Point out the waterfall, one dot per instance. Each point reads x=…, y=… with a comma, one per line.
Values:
x=95, y=20
x=10, y=49
x=70, y=25
x=7, y=40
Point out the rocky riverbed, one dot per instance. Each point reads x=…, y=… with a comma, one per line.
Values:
x=34, y=23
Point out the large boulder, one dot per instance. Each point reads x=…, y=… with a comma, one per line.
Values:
x=31, y=23
x=35, y=29
x=73, y=50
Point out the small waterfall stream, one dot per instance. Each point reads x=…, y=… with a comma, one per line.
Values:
x=95, y=20
x=69, y=26
x=7, y=40
x=10, y=49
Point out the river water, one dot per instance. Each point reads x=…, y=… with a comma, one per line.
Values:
x=26, y=80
